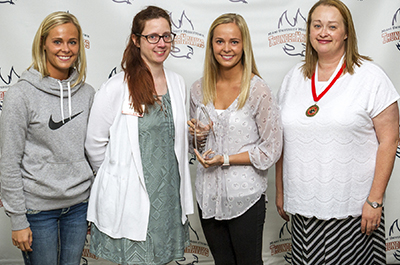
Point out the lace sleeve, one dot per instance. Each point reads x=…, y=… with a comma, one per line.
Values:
x=266, y=112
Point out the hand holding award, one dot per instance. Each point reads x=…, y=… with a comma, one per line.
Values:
x=203, y=134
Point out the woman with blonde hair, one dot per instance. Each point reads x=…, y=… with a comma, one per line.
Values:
x=341, y=127
x=246, y=140
x=45, y=178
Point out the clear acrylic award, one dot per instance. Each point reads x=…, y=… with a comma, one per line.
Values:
x=204, y=137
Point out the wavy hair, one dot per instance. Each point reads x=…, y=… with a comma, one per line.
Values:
x=211, y=66
x=352, y=57
x=39, y=60
x=137, y=73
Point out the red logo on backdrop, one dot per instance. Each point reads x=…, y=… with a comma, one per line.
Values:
x=393, y=242
x=187, y=39
x=1, y=99
x=86, y=41
x=392, y=34
x=283, y=245
x=290, y=34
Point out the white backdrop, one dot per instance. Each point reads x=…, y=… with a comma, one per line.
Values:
x=278, y=31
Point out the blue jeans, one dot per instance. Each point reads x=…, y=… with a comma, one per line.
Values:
x=58, y=236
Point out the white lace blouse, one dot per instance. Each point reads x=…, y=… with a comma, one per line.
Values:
x=329, y=159
x=227, y=192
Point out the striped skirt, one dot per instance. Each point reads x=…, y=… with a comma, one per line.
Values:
x=336, y=242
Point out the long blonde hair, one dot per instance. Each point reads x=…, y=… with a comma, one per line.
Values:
x=39, y=60
x=211, y=64
x=352, y=57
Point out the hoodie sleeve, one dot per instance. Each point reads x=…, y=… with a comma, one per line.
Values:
x=14, y=122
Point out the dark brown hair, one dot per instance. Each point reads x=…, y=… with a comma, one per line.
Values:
x=137, y=73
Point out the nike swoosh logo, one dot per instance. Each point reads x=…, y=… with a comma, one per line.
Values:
x=57, y=125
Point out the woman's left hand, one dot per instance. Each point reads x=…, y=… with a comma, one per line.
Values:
x=207, y=162
x=370, y=219
x=386, y=126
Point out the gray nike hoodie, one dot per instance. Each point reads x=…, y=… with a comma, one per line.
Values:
x=42, y=135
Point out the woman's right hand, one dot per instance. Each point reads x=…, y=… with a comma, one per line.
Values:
x=201, y=133
x=279, y=207
x=192, y=124
x=22, y=239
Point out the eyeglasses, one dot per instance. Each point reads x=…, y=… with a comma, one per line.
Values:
x=155, y=38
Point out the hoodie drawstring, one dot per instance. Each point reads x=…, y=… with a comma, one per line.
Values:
x=62, y=102
x=69, y=101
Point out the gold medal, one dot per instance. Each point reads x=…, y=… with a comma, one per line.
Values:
x=312, y=110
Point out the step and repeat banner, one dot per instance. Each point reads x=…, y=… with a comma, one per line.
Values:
x=278, y=33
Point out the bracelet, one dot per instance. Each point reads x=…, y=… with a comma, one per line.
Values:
x=226, y=161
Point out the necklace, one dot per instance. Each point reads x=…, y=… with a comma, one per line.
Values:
x=313, y=109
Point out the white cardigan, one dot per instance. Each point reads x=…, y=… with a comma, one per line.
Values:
x=119, y=204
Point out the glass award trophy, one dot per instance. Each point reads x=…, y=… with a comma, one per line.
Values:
x=204, y=137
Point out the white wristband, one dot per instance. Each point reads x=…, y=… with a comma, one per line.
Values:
x=226, y=161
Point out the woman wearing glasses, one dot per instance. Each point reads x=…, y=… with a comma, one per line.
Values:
x=142, y=191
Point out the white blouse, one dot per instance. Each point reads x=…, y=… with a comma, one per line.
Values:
x=227, y=192
x=329, y=159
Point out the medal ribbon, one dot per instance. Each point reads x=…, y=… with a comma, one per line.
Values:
x=313, y=89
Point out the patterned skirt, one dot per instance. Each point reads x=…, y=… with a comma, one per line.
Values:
x=336, y=242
